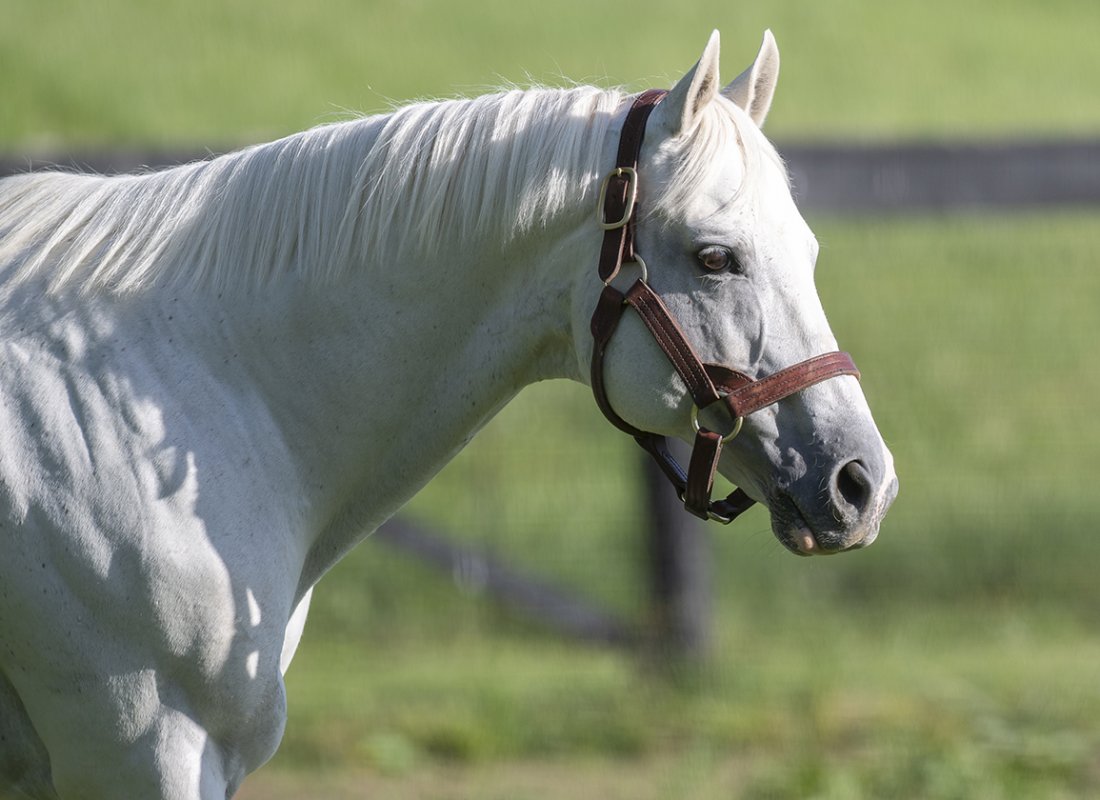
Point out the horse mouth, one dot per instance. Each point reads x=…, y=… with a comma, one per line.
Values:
x=792, y=527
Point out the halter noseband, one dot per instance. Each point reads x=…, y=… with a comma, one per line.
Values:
x=708, y=384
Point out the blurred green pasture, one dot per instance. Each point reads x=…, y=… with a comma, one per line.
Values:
x=956, y=658
x=216, y=72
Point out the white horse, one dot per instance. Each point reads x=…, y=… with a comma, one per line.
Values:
x=217, y=379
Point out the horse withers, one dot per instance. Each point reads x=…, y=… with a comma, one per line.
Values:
x=217, y=379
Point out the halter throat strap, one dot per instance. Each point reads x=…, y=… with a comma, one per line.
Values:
x=708, y=384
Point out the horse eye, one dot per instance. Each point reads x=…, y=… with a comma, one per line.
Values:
x=717, y=259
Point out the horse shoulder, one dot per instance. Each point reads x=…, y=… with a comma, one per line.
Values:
x=126, y=563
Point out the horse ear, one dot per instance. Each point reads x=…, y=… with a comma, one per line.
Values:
x=754, y=88
x=680, y=110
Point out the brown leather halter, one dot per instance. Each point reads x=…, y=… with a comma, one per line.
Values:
x=708, y=384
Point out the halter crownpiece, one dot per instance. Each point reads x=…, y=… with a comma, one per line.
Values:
x=708, y=384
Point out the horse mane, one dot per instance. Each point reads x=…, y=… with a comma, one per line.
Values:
x=317, y=203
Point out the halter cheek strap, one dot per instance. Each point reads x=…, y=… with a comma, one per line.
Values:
x=708, y=384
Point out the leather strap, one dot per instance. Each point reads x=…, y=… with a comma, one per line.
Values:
x=745, y=396
x=618, y=243
x=739, y=394
x=671, y=338
x=701, y=470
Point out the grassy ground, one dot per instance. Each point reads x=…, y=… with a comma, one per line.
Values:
x=883, y=705
x=954, y=659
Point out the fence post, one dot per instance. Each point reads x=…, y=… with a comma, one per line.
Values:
x=679, y=561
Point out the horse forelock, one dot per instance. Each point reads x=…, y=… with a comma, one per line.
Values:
x=418, y=182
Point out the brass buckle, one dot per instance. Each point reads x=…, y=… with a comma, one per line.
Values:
x=631, y=176
x=712, y=515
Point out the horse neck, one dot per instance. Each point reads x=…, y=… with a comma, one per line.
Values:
x=403, y=367
x=398, y=354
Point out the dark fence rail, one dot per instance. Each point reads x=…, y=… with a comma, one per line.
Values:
x=944, y=176
x=858, y=178
x=476, y=569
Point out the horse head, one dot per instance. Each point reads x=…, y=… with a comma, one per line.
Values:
x=720, y=241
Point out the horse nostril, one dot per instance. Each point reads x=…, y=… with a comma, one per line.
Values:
x=853, y=482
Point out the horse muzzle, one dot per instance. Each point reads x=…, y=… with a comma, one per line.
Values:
x=843, y=515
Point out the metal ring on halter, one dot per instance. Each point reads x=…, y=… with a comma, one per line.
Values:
x=727, y=438
x=636, y=260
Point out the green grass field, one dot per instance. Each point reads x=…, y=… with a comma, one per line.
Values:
x=956, y=658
